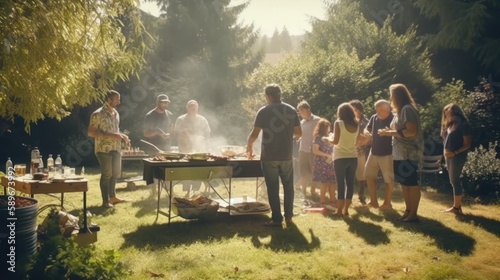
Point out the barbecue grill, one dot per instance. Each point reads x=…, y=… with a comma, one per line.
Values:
x=205, y=170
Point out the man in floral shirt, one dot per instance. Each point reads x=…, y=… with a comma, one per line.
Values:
x=104, y=128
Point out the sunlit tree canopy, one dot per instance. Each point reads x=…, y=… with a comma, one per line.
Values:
x=58, y=54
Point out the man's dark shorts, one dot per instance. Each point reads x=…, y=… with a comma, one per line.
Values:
x=406, y=172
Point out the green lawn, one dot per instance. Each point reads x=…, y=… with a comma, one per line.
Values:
x=370, y=244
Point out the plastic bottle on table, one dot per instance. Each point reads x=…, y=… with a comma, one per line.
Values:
x=58, y=165
x=35, y=160
x=40, y=167
x=8, y=166
x=50, y=165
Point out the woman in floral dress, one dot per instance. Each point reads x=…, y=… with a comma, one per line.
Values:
x=323, y=157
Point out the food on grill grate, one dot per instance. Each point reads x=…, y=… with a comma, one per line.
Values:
x=218, y=158
x=159, y=158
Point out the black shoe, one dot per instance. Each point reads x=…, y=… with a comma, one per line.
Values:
x=362, y=200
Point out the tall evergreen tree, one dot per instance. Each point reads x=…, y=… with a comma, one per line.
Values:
x=285, y=40
x=274, y=43
x=468, y=25
x=208, y=54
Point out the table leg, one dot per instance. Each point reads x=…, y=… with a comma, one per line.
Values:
x=170, y=202
x=85, y=226
x=229, y=207
x=62, y=200
x=256, y=187
x=158, y=200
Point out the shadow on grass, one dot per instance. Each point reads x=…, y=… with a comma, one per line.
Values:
x=490, y=225
x=148, y=205
x=364, y=211
x=372, y=234
x=101, y=211
x=446, y=239
x=222, y=227
x=288, y=240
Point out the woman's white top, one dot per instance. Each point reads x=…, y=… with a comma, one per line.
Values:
x=346, y=148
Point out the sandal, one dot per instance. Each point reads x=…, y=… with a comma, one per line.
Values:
x=407, y=212
x=454, y=210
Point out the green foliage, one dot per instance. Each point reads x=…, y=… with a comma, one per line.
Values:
x=207, y=54
x=56, y=54
x=482, y=171
x=485, y=113
x=280, y=42
x=347, y=57
x=481, y=106
x=62, y=258
x=466, y=25
x=431, y=113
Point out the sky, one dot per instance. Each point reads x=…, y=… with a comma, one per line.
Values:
x=270, y=14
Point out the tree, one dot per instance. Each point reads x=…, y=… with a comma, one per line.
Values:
x=56, y=54
x=468, y=26
x=208, y=53
x=274, y=43
x=348, y=57
x=285, y=40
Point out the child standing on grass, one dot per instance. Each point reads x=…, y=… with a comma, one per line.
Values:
x=323, y=165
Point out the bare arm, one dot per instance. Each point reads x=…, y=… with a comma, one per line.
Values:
x=336, y=133
x=410, y=130
x=467, y=144
x=148, y=133
x=317, y=152
x=297, y=132
x=364, y=138
x=251, y=140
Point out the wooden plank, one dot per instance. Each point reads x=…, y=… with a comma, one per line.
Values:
x=43, y=187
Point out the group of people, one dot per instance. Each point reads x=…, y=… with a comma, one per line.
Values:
x=390, y=143
x=191, y=131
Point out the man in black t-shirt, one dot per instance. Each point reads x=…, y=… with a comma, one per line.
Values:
x=279, y=123
x=158, y=125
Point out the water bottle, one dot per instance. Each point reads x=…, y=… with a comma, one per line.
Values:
x=58, y=164
x=40, y=166
x=50, y=165
x=8, y=166
x=35, y=160
x=83, y=171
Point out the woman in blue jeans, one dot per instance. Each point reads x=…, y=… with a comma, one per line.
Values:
x=457, y=134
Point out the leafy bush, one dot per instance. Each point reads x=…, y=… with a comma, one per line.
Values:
x=452, y=92
x=482, y=172
x=62, y=258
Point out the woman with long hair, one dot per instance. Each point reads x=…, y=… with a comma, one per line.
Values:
x=345, y=158
x=323, y=161
x=457, y=134
x=407, y=147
